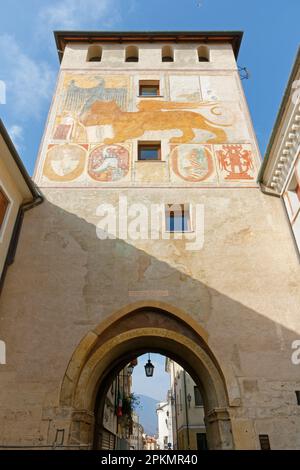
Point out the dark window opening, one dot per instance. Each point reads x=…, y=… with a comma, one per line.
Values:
x=201, y=441
x=149, y=151
x=94, y=54
x=167, y=54
x=149, y=88
x=95, y=59
x=203, y=54
x=298, y=396
x=131, y=54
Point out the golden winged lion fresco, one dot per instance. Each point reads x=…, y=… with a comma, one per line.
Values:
x=154, y=115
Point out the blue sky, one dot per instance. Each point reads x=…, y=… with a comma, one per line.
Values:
x=156, y=386
x=29, y=63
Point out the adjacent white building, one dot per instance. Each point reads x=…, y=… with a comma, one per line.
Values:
x=164, y=421
x=280, y=171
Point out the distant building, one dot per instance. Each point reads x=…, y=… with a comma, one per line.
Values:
x=116, y=429
x=150, y=442
x=164, y=424
x=136, y=438
x=280, y=171
x=186, y=405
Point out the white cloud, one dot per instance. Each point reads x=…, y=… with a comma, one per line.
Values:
x=16, y=134
x=73, y=14
x=29, y=84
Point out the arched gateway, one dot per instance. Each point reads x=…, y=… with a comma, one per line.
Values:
x=134, y=330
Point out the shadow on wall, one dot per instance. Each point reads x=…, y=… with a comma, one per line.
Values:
x=65, y=281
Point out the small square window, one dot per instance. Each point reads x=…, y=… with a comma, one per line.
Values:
x=264, y=442
x=4, y=203
x=149, y=88
x=149, y=151
x=177, y=218
x=298, y=396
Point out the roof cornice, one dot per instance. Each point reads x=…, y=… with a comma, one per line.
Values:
x=64, y=37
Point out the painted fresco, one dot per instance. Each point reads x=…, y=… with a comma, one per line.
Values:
x=65, y=162
x=218, y=88
x=192, y=163
x=235, y=162
x=79, y=93
x=97, y=119
x=108, y=163
x=185, y=88
x=153, y=115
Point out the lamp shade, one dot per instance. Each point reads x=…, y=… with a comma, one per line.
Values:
x=149, y=369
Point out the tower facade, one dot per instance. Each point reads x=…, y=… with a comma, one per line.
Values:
x=153, y=235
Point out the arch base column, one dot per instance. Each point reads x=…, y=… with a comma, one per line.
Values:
x=218, y=427
x=82, y=429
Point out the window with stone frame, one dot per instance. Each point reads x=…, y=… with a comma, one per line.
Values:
x=149, y=151
x=148, y=88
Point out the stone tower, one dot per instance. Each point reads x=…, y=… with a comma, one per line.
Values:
x=153, y=236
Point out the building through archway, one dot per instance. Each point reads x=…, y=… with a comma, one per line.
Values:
x=151, y=404
x=102, y=354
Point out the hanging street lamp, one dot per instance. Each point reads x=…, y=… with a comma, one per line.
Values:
x=149, y=368
x=130, y=368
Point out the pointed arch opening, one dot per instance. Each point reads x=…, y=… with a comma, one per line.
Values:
x=108, y=348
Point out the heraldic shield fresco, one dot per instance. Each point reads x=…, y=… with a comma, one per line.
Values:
x=98, y=120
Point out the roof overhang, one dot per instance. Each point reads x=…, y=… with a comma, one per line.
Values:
x=62, y=38
x=269, y=164
x=15, y=166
